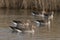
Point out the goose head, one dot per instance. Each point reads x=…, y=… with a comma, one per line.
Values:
x=43, y=12
x=39, y=22
x=42, y=22
x=51, y=15
x=34, y=13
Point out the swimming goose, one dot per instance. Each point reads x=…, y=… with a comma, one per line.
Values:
x=42, y=22
x=15, y=26
x=43, y=14
x=20, y=29
x=49, y=15
x=35, y=13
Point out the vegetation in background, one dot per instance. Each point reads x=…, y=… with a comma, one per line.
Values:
x=31, y=4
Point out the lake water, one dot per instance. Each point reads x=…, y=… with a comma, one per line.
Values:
x=41, y=33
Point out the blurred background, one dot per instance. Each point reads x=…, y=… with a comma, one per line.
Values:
x=31, y=4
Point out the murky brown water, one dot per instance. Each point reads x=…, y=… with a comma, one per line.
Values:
x=41, y=33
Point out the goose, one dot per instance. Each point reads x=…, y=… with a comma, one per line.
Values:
x=44, y=15
x=15, y=26
x=35, y=13
x=49, y=15
x=41, y=14
x=25, y=30
x=31, y=28
x=38, y=22
x=42, y=22
x=17, y=29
